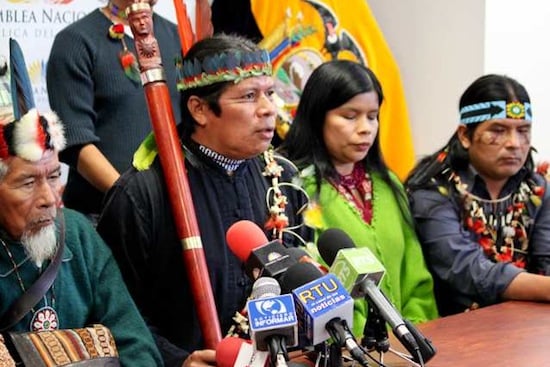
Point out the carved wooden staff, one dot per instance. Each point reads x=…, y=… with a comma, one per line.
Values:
x=170, y=153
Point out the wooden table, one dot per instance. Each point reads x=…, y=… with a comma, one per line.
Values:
x=509, y=334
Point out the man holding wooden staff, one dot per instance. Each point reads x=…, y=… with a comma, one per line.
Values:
x=228, y=121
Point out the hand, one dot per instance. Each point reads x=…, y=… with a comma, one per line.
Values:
x=205, y=357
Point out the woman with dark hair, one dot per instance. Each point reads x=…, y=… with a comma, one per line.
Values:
x=334, y=142
x=481, y=208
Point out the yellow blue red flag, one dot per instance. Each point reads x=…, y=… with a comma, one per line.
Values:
x=301, y=34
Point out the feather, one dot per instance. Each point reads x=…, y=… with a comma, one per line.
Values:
x=130, y=65
x=203, y=19
x=26, y=142
x=210, y=64
x=56, y=131
x=21, y=88
x=185, y=29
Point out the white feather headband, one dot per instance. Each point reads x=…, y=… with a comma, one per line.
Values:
x=31, y=136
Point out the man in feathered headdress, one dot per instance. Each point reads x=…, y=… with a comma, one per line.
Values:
x=37, y=235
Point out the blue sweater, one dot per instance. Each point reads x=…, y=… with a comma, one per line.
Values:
x=97, y=102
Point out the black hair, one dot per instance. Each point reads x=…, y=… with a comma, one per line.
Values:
x=329, y=86
x=487, y=88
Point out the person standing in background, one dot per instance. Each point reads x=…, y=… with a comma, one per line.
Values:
x=334, y=141
x=481, y=206
x=94, y=85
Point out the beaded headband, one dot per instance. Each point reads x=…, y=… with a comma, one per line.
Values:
x=30, y=134
x=223, y=67
x=484, y=111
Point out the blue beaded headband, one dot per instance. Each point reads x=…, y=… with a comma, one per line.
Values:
x=223, y=67
x=484, y=111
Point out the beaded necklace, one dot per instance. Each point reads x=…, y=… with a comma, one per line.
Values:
x=503, y=232
x=275, y=198
x=357, y=189
x=117, y=31
x=45, y=318
x=116, y=11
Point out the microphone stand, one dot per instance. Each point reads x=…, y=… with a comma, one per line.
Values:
x=278, y=354
x=342, y=336
x=335, y=356
x=375, y=333
x=375, y=337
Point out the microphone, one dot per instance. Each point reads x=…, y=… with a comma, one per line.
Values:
x=324, y=307
x=301, y=256
x=272, y=320
x=361, y=272
x=265, y=287
x=351, y=265
x=233, y=351
x=261, y=258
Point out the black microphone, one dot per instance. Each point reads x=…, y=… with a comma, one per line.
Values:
x=301, y=256
x=324, y=307
x=261, y=257
x=360, y=272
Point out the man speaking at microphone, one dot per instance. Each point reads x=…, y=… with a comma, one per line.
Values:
x=227, y=125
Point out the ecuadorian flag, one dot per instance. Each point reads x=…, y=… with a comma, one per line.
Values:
x=300, y=34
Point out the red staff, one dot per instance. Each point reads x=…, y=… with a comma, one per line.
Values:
x=170, y=153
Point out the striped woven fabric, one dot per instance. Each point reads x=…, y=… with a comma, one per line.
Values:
x=64, y=347
x=5, y=358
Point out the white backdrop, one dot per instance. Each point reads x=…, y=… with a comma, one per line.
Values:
x=517, y=44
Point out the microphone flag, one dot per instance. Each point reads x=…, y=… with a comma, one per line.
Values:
x=318, y=302
x=272, y=316
x=353, y=268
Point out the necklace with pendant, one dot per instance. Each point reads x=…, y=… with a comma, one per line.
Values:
x=116, y=11
x=44, y=318
x=500, y=225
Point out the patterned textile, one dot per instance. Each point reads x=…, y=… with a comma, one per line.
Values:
x=5, y=359
x=67, y=346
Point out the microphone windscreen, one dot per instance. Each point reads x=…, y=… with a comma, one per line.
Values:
x=227, y=351
x=265, y=287
x=298, y=275
x=243, y=237
x=297, y=253
x=331, y=241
